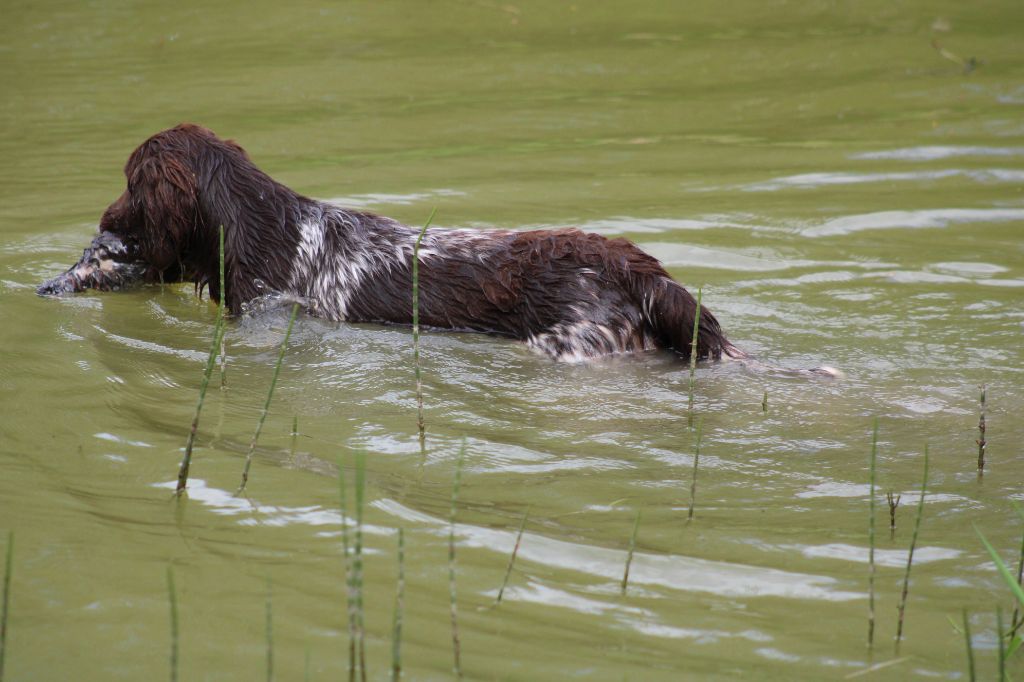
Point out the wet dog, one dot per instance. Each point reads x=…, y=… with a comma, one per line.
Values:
x=566, y=293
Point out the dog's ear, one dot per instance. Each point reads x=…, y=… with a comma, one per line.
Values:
x=165, y=191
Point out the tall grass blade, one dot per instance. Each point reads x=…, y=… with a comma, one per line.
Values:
x=696, y=461
x=173, y=596
x=512, y=559
x=910, y=554
x=456, y=483
x=416, y=330
x=4, y=610
x=396, y=624
x=358, y=561
x=295, y=436
x=970, y=647
x=871, y=538
x=629, y=555
x=270, y=395
x=218, y=334
x=693, y=356
x=1015, y=587
x=270, y=632
x=350, y=601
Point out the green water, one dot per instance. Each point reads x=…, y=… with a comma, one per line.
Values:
x=844, y=193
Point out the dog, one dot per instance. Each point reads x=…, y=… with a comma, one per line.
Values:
x=570, y=295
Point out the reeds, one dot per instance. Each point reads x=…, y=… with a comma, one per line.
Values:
x=512, y=559
x=350, y=602
x=910, y=554
x=981, y=433
x=172, y=594
x=764, y=402
x=218, y=334
x=693, y=357
x=1017, y=620
x=629, y=555
x=396, y=621
x=871, y=538
x=266, y=404
x=970, y=647
x=1001, y=639
x=295, y=436
x=357, y=563
x=456, y=483
x=696, y=462
x=894, y=501
x=270, y=632
x=4, y=609
x=416, y=331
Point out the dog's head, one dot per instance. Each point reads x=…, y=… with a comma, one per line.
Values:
x=157, y=230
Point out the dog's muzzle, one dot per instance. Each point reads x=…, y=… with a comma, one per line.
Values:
x=107, y=265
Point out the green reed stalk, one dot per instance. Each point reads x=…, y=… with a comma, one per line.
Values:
x=8, y=567
x=981, y=433
x=970, y=647
x=512, y=559
x=295, y=436
x=350, y=601
x=693, y=356
x=416, y=330
x=910, y=554
x=456, y=483
x=871, y=538
x=629, y=555
x=1001, y=638
x=270, y=395
x=396, y=624
x=696, y=461
x=358, y=561
x=218, y=334
x=1017, y=620
x=270, y=632
x=306, y=668
x=173, y=596
x=764, y=402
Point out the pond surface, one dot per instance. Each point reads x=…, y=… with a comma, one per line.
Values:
x=839, y=185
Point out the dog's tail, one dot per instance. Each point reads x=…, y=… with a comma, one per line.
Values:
x=670, y=309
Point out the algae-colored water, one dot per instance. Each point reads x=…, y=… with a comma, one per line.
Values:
x=842, y=190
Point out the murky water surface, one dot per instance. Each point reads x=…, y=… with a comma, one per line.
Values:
x=844, y=192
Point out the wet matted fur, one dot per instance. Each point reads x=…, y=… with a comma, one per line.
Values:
x=569, y=294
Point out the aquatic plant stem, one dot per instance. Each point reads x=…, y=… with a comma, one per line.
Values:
x=350, y=602
x=270, y=632
x=1017, y=620
x=456, y=483
x=512, y=559
x=358, y=562
x=871, y=538
x=693, y=356
x=629, y=554
x=910, y=554
x=396, y=623
x=981, y=433
x=218, y=333
x=894, y=502
x=416, y=330
x=270, y=395
x=764, y=402
x=173, y=596
x=970, y=647
x=696, y=462
x=5, y=607
x=1001, y=640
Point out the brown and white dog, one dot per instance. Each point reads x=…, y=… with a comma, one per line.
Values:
x=568, y=294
